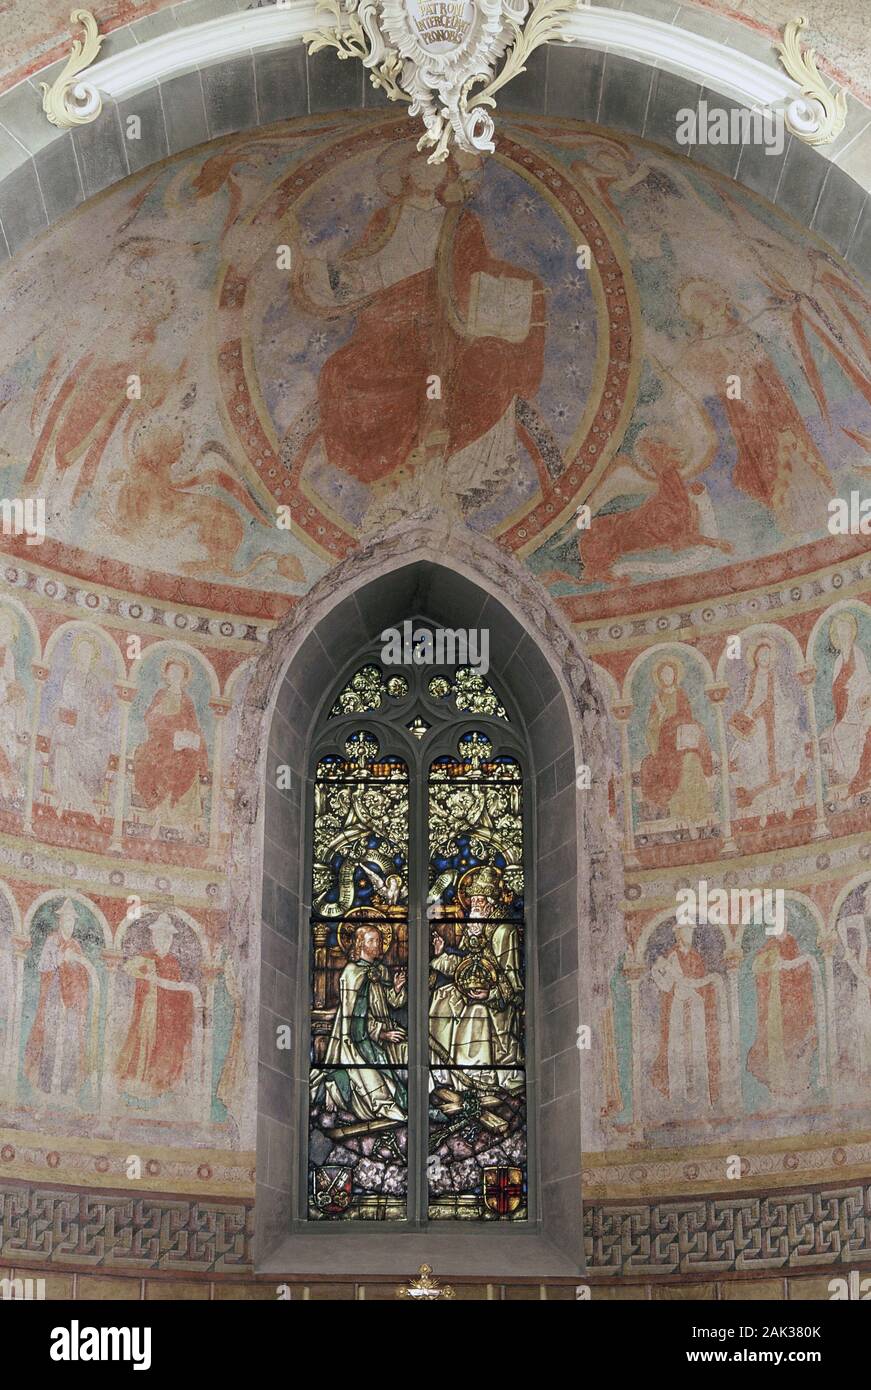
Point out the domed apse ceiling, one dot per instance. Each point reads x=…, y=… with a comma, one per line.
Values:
x=261, y=385
x=313, y=318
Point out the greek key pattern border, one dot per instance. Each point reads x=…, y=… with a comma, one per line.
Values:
x=122, y=1231
x=810, y=1229
x=792, y=1230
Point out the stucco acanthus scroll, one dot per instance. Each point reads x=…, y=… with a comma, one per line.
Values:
x=817, y=116
x=66, y=101
x=432, y=53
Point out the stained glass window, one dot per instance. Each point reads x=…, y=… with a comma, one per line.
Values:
x=477, y=1082
x=417, y=1083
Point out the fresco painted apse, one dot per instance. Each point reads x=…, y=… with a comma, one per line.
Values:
x=297, y=338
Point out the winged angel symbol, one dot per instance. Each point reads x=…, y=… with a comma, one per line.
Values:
x=431, y=53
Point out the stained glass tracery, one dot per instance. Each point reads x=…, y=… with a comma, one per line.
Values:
x=467, y=1073
x=468, y=690
x=367, y=690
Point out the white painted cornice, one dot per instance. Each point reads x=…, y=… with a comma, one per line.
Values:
x=704, y=60
x=201, y=45
x=714, y=65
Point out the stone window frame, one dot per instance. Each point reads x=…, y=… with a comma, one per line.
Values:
x=538, y=661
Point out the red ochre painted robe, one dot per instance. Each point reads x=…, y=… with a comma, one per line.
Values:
x=661, y=770
x=373, y=391
x=160, y=771
x=63, y=1014
x=153, y=1056
x=786, y=1030
x=669, y=518
x=764, y=414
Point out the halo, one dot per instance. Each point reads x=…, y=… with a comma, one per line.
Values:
x=676, y=664
x=181, y=661
x=363, y=917
x=656, y=428
x=845, y=616
x=85, y=639
x=763, y=642
x=700, y=286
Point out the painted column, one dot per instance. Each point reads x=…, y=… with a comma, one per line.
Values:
x=717, y=695
x=633, y=975
x=734, y=957
x=807, y=675
x=41, y=674
x=21, y=946
x=126, y=694
x=212, y=971
x=112, y=959
x=827, y=950
x=622, y=713
x=221, y=709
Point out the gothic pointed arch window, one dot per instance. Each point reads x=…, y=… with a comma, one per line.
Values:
x=417, y=842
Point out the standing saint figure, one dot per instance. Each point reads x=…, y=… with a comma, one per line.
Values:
x=675, y=772
x=787, y=992
x=693, y=1026
x=848, y=737
x=474, y=1016
x=766, y=755
x=168, y=764
x=366, y=1045
x=62, y=1049
x=78, y=740
x=858, y=960
x=13, y=710
x=156, y=1052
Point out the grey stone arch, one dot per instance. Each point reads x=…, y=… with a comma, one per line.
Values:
x=457, y=579
x=46, y=173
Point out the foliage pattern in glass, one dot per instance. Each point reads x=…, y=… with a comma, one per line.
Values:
x=468, y=690
x=358, y=1112
x=477, y=1086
